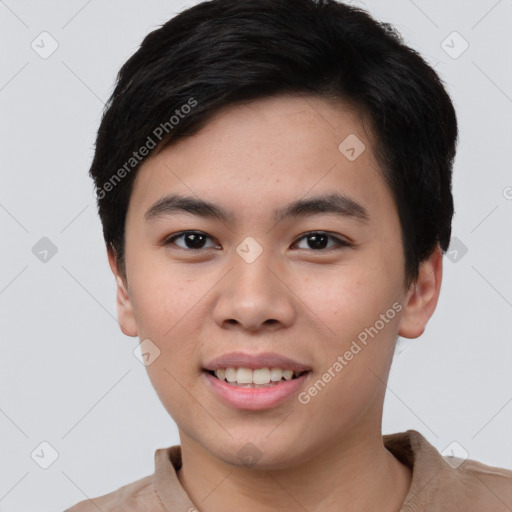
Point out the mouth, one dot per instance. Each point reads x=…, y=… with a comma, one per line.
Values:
x=255, y=378
x=255, y=381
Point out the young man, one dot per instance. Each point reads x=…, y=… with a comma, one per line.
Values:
x=274, y=183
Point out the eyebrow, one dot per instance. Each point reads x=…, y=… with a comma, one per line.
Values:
x=337, y=204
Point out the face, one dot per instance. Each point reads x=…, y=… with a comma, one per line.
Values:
x=295, y=264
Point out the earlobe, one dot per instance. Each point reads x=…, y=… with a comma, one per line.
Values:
x=125, y=314
x=421, y=300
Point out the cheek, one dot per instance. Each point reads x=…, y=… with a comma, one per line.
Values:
x=168, y=313
x=170, y=318
x=346, y=300
x=357, y=306
x=163, y=300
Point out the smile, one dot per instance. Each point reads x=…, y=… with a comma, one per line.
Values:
x=254, y=378
x=258, y=381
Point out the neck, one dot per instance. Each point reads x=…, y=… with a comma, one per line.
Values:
x=356, y=474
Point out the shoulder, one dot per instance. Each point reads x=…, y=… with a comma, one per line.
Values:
x=145, y=494
x=139, y=496
x=449, y=482
x=486, y=486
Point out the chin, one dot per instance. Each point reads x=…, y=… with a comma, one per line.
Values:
x=260, y=451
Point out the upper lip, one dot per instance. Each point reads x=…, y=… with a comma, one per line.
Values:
x=255, y=361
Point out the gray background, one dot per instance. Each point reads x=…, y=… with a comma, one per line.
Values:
x=68, y=376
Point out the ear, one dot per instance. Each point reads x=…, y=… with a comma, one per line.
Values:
x=125, y=314
x=421, y=300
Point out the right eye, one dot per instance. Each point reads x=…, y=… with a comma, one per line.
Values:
x=192, y=240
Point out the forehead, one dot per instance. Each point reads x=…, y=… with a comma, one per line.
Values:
x=270, y=150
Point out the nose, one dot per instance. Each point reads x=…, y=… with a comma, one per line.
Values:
x=253, y=296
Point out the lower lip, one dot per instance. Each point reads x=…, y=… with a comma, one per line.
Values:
x=254, y=398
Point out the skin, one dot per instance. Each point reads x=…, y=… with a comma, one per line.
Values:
x=327, y=455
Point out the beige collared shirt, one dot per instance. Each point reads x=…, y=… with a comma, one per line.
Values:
x=439, y=483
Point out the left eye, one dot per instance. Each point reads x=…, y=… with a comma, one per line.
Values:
x=317, y=240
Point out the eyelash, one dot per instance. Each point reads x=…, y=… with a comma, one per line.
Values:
x=340, y=244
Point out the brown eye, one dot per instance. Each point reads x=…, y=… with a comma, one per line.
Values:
x=319, y=240
x=193, y=240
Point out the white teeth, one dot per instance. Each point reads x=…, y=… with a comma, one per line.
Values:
x=276, y=374
x=244, y=376
x=288, y=374
x=230, y=374
x=247, y=376
x=261, y=376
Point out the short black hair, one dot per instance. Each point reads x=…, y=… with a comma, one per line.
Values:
x=221, y=52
